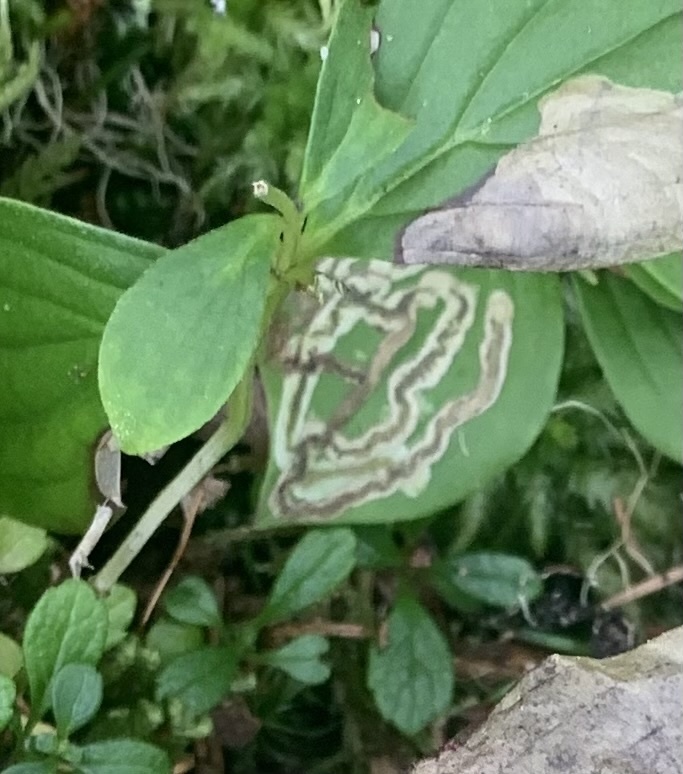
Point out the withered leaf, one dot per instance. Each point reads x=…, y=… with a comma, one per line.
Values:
x=600, y=185
x=108, y=468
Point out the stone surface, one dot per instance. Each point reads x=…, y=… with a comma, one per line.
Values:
x=571, y=715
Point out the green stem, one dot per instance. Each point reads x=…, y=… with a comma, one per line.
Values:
x=227, y=435
x=279, y=201
x=293, y=221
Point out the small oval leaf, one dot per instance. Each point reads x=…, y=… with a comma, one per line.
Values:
x=11, y=659
x=199, y=679
x=123, y=756
x=20, y=545
x=120, y=604
x=192, y=601
x=76, y=696
x=412, y=677
x=171, y=639
x=8, y=693
x=68, y=625
x=320, y=562
x=494, y=579
x=300, y=659
x=184, y=333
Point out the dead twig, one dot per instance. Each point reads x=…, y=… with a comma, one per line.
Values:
x=190, y=509
x=346, y=631
x=203, y=496
x=645, y=588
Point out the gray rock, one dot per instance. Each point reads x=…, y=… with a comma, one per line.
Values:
x=571, y=715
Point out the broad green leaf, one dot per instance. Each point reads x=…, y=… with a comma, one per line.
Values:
x=200, y=679
x=500, y=580
x=344, y=76
x=406, y=390
x=321, y=560
x=373, y=134
x=123, y=756
x=300, y=659
x=11, y=659
x=59, y=281
x=411, y=677
x=184, y=333
x=499, y=52
x=68, y=625
x=8, y=693
x=35, y=767
x=639, y=345
x=171, y=639
x=20, y=545
x=120, y=603
x=350, y=130
x=192, y=601
x=661, y=279
x=76, y=692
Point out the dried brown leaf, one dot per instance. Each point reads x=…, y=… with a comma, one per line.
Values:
x=599, y=186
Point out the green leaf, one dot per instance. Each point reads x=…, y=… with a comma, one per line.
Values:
x=493, y=579
x=192, y=601
x=376, y=548
x=11, y=659
x=59, y=281
x=322, y=560
x=44, y=744
x=371, y=132
x=120, y=603
x=300, y=659
x=200, y=679
x=35, y=767
x=43, y=172
x=499, y=51
x=195, y=315
x=411, y=678
x=123, y=756
x=171, y=639
x=8, y=693
x=406, y=390
x=345, y=76
x=20, y=545
x=639, y=345
x=76, y=696
x=661, y=279
x=68, y=625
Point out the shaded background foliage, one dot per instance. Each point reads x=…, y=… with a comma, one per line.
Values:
x=152, y=118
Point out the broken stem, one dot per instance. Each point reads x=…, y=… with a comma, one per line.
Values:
x=645, y=588
x=196, y=469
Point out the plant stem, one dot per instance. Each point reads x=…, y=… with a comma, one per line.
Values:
x=292, y=221
x=196, y=469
